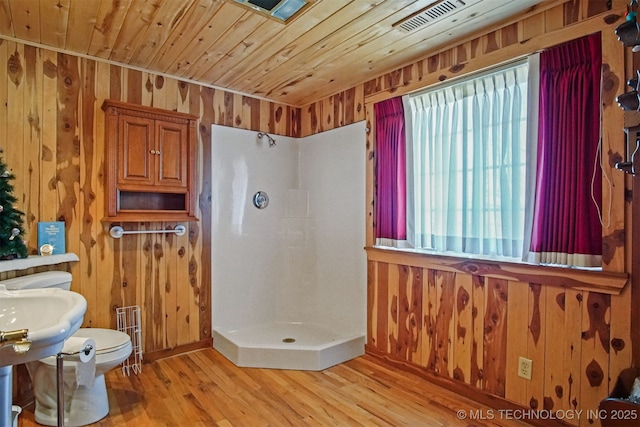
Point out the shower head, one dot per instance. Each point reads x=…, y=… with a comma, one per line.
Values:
x=272, y=142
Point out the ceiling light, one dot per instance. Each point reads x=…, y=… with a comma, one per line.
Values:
x=281, y=10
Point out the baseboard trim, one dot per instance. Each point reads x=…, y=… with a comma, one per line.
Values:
x=466, y=390
x=152, y=356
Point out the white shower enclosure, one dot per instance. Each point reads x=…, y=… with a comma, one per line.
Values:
x=289, y=280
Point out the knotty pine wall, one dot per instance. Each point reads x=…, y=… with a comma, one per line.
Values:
x=448, y=324
x=52, y=133
x=466, y=325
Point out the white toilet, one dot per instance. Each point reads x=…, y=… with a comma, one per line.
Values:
x=82, y=405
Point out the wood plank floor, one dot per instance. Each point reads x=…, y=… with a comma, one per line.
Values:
x=203, y=388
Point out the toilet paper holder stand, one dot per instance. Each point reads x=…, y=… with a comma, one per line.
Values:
x=60, y=378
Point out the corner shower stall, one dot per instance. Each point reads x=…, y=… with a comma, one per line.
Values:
x=288, y=235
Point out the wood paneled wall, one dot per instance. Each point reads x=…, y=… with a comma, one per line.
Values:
x=468, y=330
x=52, y=133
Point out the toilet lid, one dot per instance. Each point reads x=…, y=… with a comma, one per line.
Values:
x=107, y=340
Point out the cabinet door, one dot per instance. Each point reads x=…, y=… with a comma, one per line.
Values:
x=171, y=153
x=137, y=143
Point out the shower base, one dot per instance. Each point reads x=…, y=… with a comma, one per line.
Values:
x=284, y=345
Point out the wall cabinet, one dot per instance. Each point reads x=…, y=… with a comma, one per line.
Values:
x=150, y=163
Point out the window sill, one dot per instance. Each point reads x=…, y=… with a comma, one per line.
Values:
x=586, y=280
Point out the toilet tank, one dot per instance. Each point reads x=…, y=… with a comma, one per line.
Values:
x=47, y=279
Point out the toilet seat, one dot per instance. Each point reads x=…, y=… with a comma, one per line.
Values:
x=108, y=342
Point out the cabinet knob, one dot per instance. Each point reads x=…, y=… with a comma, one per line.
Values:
x=153, y=151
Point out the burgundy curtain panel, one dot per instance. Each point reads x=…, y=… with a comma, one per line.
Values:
x=566, y=224
x=391, y=170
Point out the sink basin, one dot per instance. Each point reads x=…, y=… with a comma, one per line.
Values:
x=51, y=315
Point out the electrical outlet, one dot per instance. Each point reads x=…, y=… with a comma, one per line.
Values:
x=524, y=367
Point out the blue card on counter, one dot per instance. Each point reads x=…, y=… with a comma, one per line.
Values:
x=52, y=233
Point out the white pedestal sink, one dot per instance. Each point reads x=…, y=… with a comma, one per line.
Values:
x=50, y=315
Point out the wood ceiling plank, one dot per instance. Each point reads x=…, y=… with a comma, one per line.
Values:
x=340, y=48
x=369, y=26
x=324, y=77
x=289, y=55
x=252, y=27
x=82, y=21
x=168, y=18
x=374, y=58
x=187, y=35
x=226, y=40
x=224, y=18
x=109, y=20
x=139, y=16
x=25, y=15
x=248, y=46
x=6, y=23
x=317, y=13
x=54, y=15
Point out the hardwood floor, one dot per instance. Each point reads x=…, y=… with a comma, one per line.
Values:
x=203, y=388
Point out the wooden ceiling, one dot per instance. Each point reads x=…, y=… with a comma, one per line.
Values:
x=332, y=46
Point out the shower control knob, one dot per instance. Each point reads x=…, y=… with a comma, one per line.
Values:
x=260, y=200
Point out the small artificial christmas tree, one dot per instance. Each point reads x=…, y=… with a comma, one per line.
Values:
x=11, y=231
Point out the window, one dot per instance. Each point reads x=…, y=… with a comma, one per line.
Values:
x=501, y=164
x=468, y=155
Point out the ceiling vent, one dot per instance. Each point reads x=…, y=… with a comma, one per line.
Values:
x=429, y=14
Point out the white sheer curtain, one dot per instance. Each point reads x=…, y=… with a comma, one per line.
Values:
x=468, y=153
